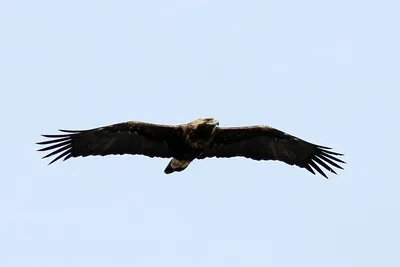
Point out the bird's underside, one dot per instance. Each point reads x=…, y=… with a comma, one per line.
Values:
x=199, y=139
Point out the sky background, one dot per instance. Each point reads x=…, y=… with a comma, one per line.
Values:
x=325, y=71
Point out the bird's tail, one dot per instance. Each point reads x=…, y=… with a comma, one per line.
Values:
x=176, y=166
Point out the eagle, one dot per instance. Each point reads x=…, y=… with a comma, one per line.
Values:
x=184, y=143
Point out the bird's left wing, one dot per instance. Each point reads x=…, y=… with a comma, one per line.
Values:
x=267, y=143
x=136, y=138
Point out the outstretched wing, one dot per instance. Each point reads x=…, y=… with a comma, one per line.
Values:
x=137, y=138
x=266, y=143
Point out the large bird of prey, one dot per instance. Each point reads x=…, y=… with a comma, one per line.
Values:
x=199, y=139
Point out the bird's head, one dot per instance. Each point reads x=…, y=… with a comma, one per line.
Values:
x=204, y=123
x=211, y=121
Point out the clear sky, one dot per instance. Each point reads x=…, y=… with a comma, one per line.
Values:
x=325, y=71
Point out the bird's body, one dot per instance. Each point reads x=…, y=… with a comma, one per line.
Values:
x=199, y=139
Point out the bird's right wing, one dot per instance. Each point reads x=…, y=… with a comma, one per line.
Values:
x=267, y=143
x=136, y=138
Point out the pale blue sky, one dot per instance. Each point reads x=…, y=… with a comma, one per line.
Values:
x=325, y=71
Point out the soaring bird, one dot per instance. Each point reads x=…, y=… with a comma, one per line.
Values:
x=199, y=139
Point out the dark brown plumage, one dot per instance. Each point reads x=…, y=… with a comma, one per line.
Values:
x=198, y=139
